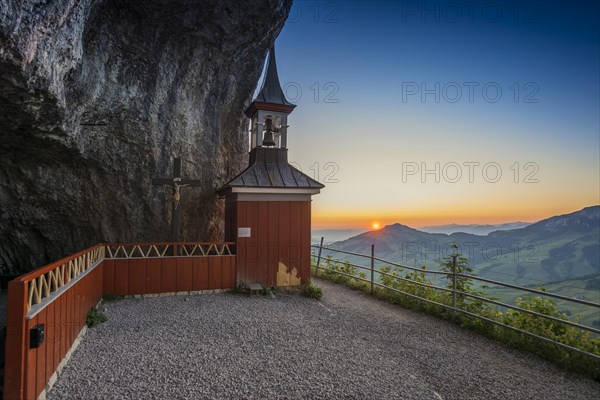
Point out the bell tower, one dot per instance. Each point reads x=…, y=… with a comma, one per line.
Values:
x=269, y=111
x=268, y=205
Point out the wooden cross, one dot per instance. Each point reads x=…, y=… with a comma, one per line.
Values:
x=176, y=183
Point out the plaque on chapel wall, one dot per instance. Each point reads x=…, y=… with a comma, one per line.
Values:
x=244, y=232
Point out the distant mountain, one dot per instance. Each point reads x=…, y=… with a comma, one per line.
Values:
x=338, y=234
x=334, y=235
x=473, y=229
x=551, y=250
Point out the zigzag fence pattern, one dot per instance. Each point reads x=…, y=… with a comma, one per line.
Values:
x=150, y=250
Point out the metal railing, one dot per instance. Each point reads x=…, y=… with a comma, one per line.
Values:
x=453, y=275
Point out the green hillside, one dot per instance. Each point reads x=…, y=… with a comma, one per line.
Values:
x=553, y=250
x=562, y=252
x=585, y=289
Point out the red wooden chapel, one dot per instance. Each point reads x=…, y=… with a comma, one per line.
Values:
x=267, y=206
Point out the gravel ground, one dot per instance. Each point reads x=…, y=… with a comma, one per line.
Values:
x=230, y=346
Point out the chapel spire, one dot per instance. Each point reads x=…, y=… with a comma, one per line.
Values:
x=268, y=112
x=271, y=91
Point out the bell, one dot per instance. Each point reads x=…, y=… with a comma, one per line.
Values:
x=268, y=139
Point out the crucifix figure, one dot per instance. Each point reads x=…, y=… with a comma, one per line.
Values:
x=176, y=183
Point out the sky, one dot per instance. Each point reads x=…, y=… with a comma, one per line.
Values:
x=437, y=112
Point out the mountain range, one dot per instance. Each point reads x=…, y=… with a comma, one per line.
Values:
x=473, y=228
x=338, y=234
x=552, y=250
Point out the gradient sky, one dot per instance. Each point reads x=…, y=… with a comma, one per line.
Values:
x=371, y=61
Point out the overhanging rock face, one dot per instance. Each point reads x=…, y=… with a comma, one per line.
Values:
x=97, y=97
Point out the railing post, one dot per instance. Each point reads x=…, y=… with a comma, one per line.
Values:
x=372, y=266
x=319, y=257
x=454, y=256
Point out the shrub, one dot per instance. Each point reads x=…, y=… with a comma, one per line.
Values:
x=268, y=291
x=554, y=330
x=313, y=292
x=95, y=317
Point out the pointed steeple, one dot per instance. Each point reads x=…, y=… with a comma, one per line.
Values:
x=269, y=111
x=271, y=91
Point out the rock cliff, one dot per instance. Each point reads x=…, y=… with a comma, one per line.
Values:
x=98, y=96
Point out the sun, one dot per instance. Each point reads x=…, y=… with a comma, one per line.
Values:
x=375, y=225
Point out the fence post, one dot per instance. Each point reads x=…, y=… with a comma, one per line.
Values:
x=454, y=256
x=16, y=343
x=319, y=257
x=372, y=266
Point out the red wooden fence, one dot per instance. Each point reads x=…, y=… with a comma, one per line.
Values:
x=138, y=276
x=60, y=295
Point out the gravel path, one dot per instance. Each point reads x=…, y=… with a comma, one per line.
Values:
x=351, y=346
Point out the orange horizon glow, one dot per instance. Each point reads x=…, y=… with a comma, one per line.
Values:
x=322, y=219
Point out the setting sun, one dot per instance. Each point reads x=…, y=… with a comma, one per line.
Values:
x=375, y=225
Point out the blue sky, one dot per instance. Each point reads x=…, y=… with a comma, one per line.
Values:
x=510, y=86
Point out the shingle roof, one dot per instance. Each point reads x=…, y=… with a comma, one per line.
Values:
x=269, y=168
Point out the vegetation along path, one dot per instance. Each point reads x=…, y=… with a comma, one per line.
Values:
x=348, y=345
